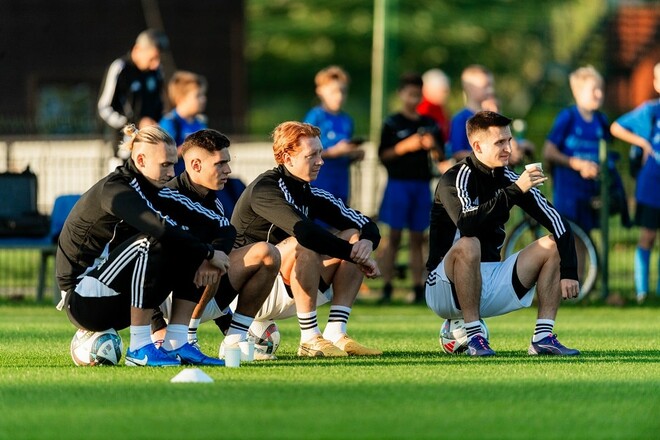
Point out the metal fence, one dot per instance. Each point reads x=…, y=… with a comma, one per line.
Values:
x=72, y=165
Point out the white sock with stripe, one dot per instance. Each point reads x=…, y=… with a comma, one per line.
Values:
x=240, y=324
x=337, y=322
x=544, y=328
x=309, y=326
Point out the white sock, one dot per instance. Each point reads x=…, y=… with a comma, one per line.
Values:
x=192, y=329
x=140, y=336
x=309, y=326
x=473, y=329
x=238, y=329
x=176, y=336
x=543, y=329
x=337, y=321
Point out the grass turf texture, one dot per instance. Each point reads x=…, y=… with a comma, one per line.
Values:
x=412, y=391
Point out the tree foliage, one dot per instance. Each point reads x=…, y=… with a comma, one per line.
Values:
x=290, y=40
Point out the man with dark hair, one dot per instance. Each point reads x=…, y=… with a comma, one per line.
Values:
x=408, y=141
x=470, y=208
x=252, y=268
x=118, y=256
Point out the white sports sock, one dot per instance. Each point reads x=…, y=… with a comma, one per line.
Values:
x=473, y=329
x=543, y=328
x=192, y=329
x=176, y=336
x=337, y=321
x=309, y=326
x=238, y=329
x=140, y=336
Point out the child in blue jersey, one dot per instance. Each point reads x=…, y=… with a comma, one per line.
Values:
x=408, y=140
x=339, y=148
x=187, y=94
x=478, y=85
x=641, y=127
x=571, y=149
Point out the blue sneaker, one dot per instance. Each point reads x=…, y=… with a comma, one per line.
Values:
x=478, y=346
x=550, y=345
x=190, y=355
x=149, y=356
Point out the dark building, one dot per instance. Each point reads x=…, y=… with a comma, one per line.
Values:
x=53, y=55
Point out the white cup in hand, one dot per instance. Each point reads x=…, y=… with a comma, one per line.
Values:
x=533, y=166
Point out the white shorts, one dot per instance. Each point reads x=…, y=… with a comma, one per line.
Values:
x=497, y=294
x=278, y=304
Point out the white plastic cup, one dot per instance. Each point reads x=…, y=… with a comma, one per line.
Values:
x=533, y=166
x=247, y=351
x=232, y=356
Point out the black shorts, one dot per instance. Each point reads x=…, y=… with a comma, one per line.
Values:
x=647, y=216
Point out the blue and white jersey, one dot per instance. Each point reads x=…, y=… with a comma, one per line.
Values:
x=645, y=122
x=334, y=176
x=576, y=137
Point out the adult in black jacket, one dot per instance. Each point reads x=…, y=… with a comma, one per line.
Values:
x=280, y=207
x=252, y=268
x=118, y=257
x=471, y=206
x=131, y=92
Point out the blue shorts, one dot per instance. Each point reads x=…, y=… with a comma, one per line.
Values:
x=406, y=205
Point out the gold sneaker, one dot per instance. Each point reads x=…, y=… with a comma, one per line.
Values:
x=354, y=348
x=319, y=347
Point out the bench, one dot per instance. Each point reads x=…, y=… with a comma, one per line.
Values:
x=47, y=245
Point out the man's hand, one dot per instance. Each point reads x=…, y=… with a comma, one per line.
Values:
x=206, y=274
x=221, y=261
x=569, y=289
x=531, y=178
x=370, y=269
x=361, y=252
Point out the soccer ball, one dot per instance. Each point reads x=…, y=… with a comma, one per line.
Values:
x=453, y=338
x=96, y=348
x=266, y=338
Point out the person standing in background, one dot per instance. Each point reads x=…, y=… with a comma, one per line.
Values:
x=187, y=94
x=131, y=92
x=340, y=149
x=435, y=93
x=641, y=127
x=478, y=85
x=408, y=141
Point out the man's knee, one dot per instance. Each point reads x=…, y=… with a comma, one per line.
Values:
x=268, y=254
x=467, y=249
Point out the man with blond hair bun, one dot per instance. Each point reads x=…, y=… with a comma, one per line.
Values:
x=118, y=257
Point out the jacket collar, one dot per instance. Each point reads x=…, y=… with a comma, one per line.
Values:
x=483, y=168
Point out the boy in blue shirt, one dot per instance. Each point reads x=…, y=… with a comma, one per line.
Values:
x=571, y=148
x=641, y=127
x=187, y=94
x=339, y=147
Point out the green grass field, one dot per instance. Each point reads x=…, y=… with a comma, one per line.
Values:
x=412, y=391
